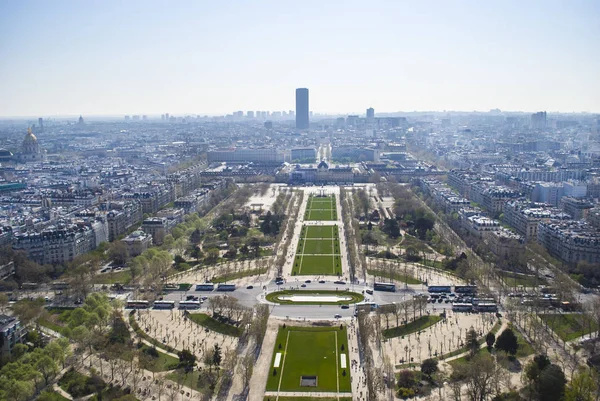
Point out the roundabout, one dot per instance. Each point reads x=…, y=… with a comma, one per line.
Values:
x=314, y=297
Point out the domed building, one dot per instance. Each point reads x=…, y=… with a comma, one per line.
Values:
x=30, y=149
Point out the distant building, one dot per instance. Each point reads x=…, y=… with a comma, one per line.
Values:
x=11, y=334
x=269, y=155
x=576, y=208
x=538, y=120
x=41, y=124
x=301, y=154
x=80, y=121
x=571, y=241
x=137, y=242
x=370, y=113
x=268, y=124
x=30, y=149
x=321, y=175
x=355, y=154
x=302, y=119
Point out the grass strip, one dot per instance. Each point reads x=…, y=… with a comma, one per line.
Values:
x=416, y=325
x=212, y=324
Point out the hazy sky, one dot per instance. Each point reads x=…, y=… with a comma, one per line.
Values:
x=213, y=57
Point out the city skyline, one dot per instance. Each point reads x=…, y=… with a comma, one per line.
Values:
x=211, y=59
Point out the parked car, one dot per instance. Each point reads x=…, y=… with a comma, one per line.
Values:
x=337, y=316
x=345, y=307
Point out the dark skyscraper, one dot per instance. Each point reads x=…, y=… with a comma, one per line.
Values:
x=370, y=112
x=302, y=108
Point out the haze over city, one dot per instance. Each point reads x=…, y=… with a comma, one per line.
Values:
x=206, y=57
x=299, y=201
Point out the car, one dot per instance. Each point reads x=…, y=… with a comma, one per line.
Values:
x=190, y=298
x=447, y=300
x=321, y=281
x=339, y=282
x=303, y=285
x=279, y=282
x=440, y=300
x=250, y=287
x=308, y=281
x=337, y=316
x=345, y=307
x=370, y=292
x=204, y=298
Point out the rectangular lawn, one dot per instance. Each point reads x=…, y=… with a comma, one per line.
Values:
x=320, y=214
x=318, y=264
x=320, y=231
x=310, y=351
x=318, y=247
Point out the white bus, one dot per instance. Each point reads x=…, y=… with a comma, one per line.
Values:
x=462, y=307
x=164, y=304
x=189, y=304
x=137, y=304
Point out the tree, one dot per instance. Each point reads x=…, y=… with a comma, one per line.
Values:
x=245, y=368
x=429, y=367
x=187, y=360
x=391, y=228
x=117, y=252
x=471, y=342
x=482, y=377
x=47, y=367
x=406, y=379
x=583, y=386
x=508, y=342
x=217, y=357
x=490, y=339
x=551, y=384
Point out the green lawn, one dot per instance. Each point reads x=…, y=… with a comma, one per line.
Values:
x=233, y=276
x=276, y=297
x=420, y=324
x=163, y=363
x=394, y=275
x=271, y=398
x=190, y=380
x=212, y=324
x=569, y=326
x=319, y=231
x=121, y=277
x=520, y=280
x=321, y=209
x=318, y=265
x=310, y=351
x=321, y=214
x=525, y=349
x=319, y=247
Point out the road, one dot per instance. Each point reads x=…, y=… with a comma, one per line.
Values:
x=251, y=296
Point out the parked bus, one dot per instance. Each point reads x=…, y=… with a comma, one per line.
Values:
x=465, y=289
x=137, y=304
x=59, y=285
x=391, y=287
x=205, y=287
x=366, y=306
x=439, y=288
x=189, y=304
x=164, y=304
x=462, y=307
x=487, y=307
x=226, y=287
x=477, y=301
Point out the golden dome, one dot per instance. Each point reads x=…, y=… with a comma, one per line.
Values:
x=29, y=139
